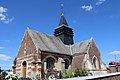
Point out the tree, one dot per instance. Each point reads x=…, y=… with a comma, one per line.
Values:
x=4, y=74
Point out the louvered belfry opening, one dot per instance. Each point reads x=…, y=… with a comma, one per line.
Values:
x=64, y=32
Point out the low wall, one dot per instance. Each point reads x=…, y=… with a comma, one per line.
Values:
x=97, y=73
x=110, y=76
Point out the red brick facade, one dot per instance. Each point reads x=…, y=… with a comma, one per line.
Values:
x=77, y=61
x=28, y=44
x=36, y=59
x=26, y=49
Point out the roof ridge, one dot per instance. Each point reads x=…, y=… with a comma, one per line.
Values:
x=29, y=32
x=81, y=42
x=41, y=32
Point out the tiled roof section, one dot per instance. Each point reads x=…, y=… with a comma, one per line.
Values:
x=80, y=48
x=53, y=44
x=48, y=43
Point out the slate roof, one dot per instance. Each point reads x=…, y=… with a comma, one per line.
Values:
x=81, y=48
x=53, y=44
x=63, y=21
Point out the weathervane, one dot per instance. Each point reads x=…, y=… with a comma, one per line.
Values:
x=62, y=8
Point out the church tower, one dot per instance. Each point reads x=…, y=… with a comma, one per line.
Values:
x=64, y=32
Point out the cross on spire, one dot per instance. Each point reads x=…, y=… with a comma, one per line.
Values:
x=63, y=31
x=62, y=8
x=62, y=19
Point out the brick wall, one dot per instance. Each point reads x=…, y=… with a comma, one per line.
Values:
x=77, y=61
x=114, y=67
x=28, y=44
x=93, y=51
x=25, y=53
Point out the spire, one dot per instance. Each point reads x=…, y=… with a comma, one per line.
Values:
x=63, y=21
x=64, y=32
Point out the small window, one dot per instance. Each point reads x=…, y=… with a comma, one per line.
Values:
x=67, y=63
x=50, y=63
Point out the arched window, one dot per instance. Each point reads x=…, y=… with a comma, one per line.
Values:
x=24, y=67
x=67, y=63
x=94, y=62
x=50, y=62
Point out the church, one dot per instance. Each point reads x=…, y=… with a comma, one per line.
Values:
x=41, y=53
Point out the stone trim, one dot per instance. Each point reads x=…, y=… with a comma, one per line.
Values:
x=48, y=57
x=25, y=56
x=97, y=62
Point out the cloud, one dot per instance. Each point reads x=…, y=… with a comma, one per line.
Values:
x=3, y=10
x=99, y=2
x=87, y=7
x=90, y=7
x=114, y=52
x=8, y=20
x=2, y=47
x=4, y=57
x=3, y=15
x=6, y=65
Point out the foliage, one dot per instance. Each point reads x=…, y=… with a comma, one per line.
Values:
x=4, y=74
x=11, y=76
x=51, y=77
x=69, y=73
x=38, y=77
x=76, y=72
x=81, y=72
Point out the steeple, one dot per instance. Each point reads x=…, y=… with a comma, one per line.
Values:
x=63, y=21
x=64, y=32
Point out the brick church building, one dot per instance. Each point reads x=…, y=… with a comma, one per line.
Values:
x=41, y=53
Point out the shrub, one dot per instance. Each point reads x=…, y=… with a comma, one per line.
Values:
x=69, y=73
x=84, y=72
x=76, y=72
